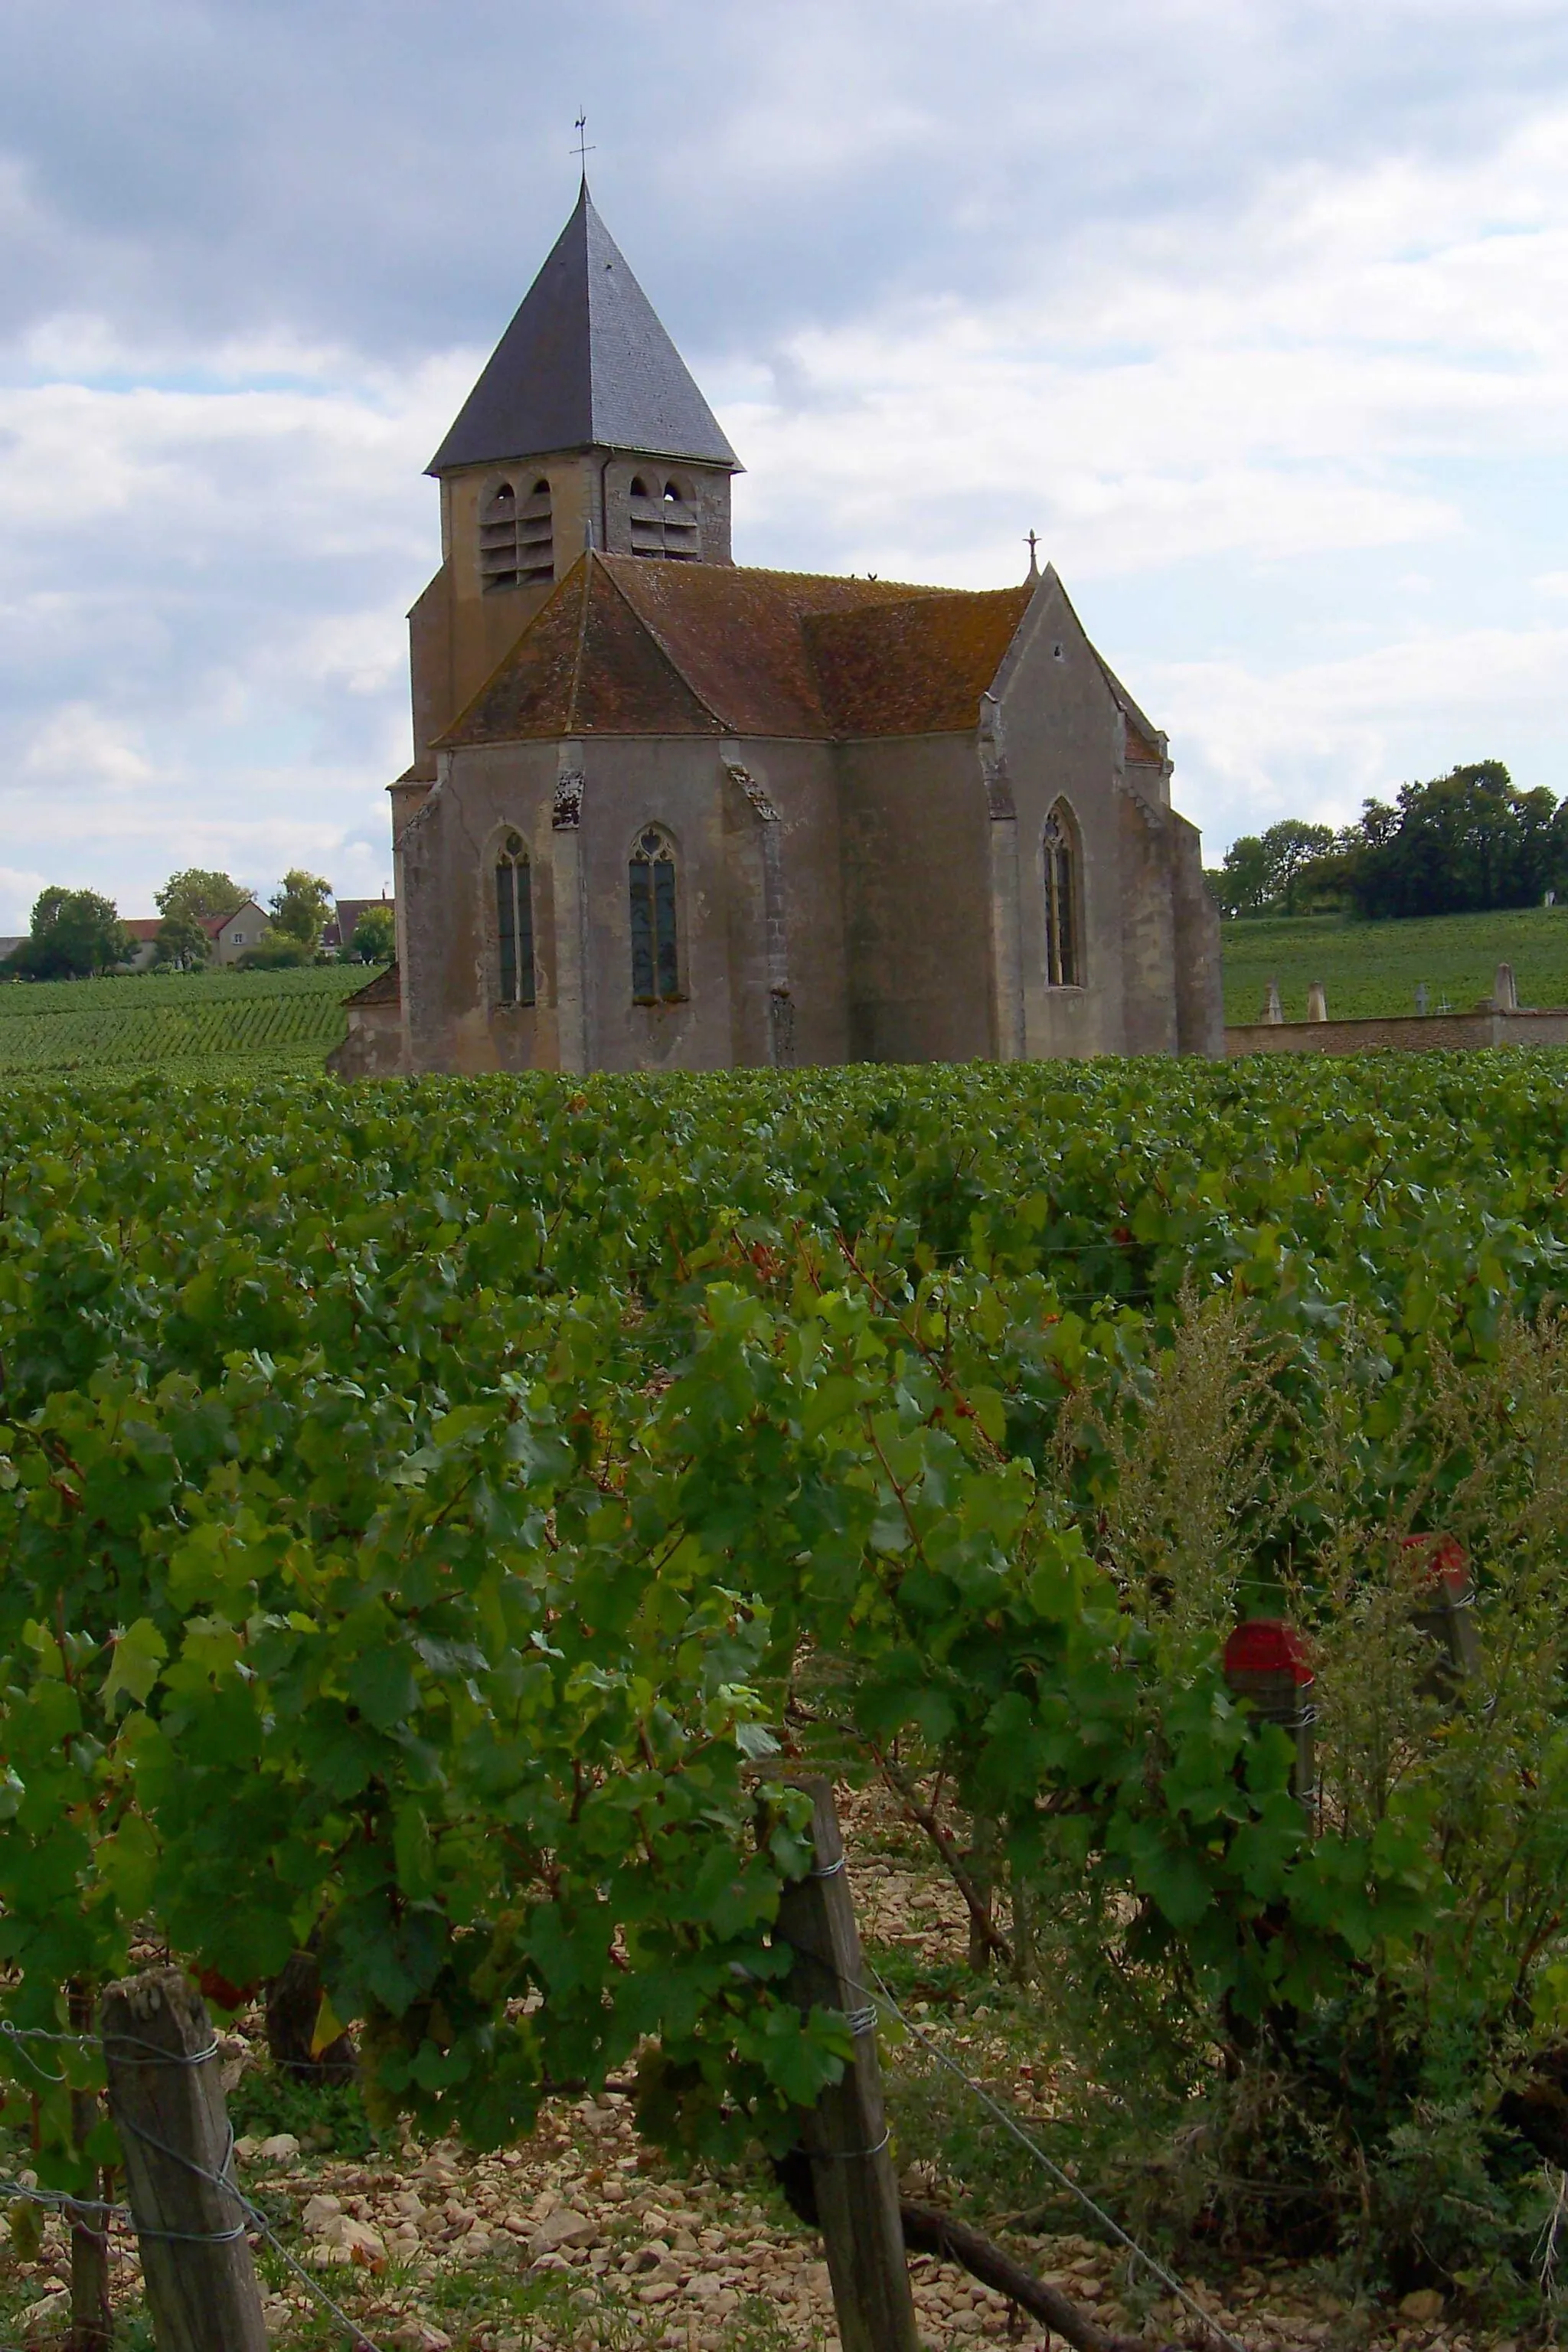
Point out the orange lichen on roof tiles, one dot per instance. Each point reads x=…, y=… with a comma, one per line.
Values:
x=585, y=666
x=737, y=636
x=918, y=667
x=386, y=988
x=626, y=646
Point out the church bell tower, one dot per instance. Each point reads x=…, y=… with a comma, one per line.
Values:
x=584, y=430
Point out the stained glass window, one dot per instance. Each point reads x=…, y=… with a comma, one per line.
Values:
x=514, y=923
x=1063, y=963
x=656, y=951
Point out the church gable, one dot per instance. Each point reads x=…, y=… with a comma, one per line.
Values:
x=587, y=665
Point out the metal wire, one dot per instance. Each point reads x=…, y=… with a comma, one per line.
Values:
x=160, y=2057
x=1063, y=2180
x=258, y=2219
x=883, y=1998
x=846, y=2155
x=57, y=2200
x=19, y=2035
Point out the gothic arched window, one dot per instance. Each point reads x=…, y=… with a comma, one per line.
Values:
x=656, y=948
x=514, y=922
x=1064, y=952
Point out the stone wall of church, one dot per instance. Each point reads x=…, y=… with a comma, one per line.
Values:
x=454, y=645
x=1200, y=992
x=916, y=899
x=1148, y=926
x=1057, y=732
x=445, y=861
x=786, y=901
x=753, y=828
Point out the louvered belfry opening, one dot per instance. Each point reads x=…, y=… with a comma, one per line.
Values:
x=665, y=519
x=535, y=538
x=517, y=537
x=497, y=537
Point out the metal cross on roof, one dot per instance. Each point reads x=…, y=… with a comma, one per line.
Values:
x=1034, y=566
x=581, y=149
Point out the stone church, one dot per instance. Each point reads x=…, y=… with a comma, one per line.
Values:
x=666, y=811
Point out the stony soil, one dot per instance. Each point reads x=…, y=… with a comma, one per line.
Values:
x=581, y=2238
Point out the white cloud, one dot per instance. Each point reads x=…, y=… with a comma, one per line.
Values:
x=77, y=745
x=1316, y=740
x=1259, y=316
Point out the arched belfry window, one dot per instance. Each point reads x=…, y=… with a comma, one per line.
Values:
x=663, y=518
x=517, y=537
x=1064, y=949
x=680, y=523
x=656, y=946
x=514, y=923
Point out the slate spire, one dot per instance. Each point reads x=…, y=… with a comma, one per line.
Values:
x=584, y=364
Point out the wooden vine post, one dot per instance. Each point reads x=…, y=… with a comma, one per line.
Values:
x=91, y=2321
x=167, y=2104
x=846, y=2134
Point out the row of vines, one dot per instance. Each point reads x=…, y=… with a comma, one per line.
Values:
x=134, y=1023
x=423, y=1508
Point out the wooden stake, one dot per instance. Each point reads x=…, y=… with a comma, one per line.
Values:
x=168, y=2106
x=91, y=2325
x=846, y=2134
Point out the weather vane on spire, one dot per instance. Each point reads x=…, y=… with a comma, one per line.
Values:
x=581, y=149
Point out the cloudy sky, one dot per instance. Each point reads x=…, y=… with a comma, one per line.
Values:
x=1256, y=310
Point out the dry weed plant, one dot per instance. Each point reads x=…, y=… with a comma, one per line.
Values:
x=1238, y=1474
x=1190, y=1495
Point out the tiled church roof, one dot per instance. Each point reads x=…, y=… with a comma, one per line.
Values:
x=917, y=667
x=625, y=646
x=584, y=364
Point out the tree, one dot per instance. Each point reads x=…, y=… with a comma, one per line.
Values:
x=73, y=933
x=375, y=938
x=198, y=893
x=277, y=952
x=1241, y=885
x=299, y=906
x=1264, y=873
x=182, y=940
x=1461, y=844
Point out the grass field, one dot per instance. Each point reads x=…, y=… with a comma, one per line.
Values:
x=1376, y=968
x=200, y=1024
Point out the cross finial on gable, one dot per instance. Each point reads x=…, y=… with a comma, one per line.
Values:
x=1033, y=565
x=581, y=149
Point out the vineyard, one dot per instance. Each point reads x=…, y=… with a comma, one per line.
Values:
x=1370, y=969
x=431, y=1513
x=195, y=1025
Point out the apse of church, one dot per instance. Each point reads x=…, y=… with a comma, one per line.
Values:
x=666, y=811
